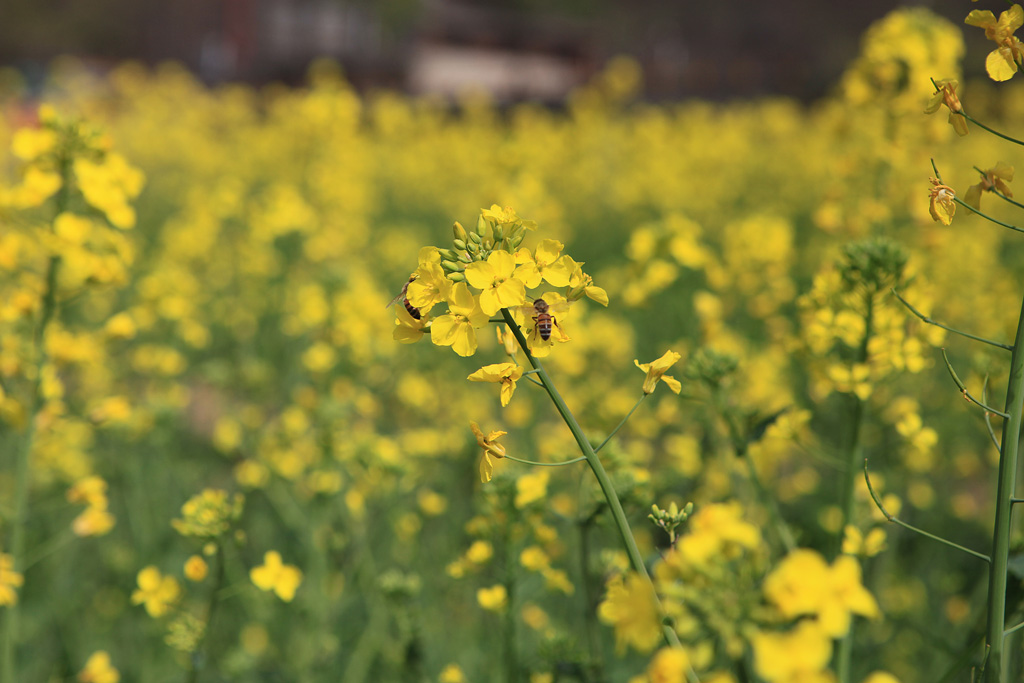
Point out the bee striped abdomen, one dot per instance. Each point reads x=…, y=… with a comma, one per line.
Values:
x=413, y=311
x=543, y=319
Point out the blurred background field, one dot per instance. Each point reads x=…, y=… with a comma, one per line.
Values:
x=238, y=339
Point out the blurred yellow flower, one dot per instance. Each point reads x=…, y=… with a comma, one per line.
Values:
x=1003, y=62
x=196, y=568
x=799, y=655
x=98, y=669
x=29, y=144
x=669, y=665
x=629, y=607
x=494, y=599
x=507, y=374
x=9, y=580
x=531, y=487
x=480, y=552
x=656, y=371
x=273, y=574
x=156, y=592
x=803, y=584
x=451, y=674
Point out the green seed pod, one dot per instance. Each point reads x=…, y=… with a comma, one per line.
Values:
x=447, y=254
x=459, y=232
x=451, y=266
x=456, y=277
x=459, y=244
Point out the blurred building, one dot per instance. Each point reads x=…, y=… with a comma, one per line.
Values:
x=514, y=49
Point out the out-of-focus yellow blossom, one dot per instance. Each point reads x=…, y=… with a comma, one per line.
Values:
x=156, y=592
x=275, y=575
x=1003, y=62
x=431, y=503
x=855, y=379
x=992, y=180
x=656, y=371
x=803, y=584
x=534, y=558
x=99, y=669
x=93, y=521
x=629, y=607
x=480, y=552
x=717, y=529
x=108, y=185
x=557, y=580
x=945, y=93
x=881, y=677
x=451, y=674
x=457, y=328
x=669, y=665
x=505, y=217
x=491, y=449
x=507, y=374
x=855, y=543
x=209, y=513
x=546, y=263
x=10, y=580
x=28, y=144
x=495, y=278
x=196, y=568
x=799, y=656
x=531, y=487
x=493, y=599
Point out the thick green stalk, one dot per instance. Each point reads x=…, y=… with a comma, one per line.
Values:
x=852, y=461
x=635, y=558
x=1004, y=505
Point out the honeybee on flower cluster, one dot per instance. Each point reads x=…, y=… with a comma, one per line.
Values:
x=544, y=321
x=413, y=311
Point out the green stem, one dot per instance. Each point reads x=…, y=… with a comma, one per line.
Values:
x=22, y=465
x=547, y=464
x=929, y=321
x=198, y=659
x=844, y=655
x=986, y=216
x=623, y=422
x=1004, y=506
x=618, y=514
x=981, y=125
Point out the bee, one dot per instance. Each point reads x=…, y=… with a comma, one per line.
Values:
x=413, y=311
x=543, y=318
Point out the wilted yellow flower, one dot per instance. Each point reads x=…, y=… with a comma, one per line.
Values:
x=629, y=607
x=946, y=94
x=491, y=448
x=156, y=592
x=656, y=370
x=941, y=205
x=1003, y=62
x=992, y=180
x=507, y=374
x=273, y=574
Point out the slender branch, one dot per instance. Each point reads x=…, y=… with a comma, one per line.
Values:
x=547, y=464
x=930, y=321
x=896, y=520
x=981, y=125
x=996, y=192
x=534, y=381
x=620, y=425
x=988, y=419
x=986, y=216
x=967, y=394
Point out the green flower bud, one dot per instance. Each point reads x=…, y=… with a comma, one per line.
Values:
x=481, y=225
x=499, y=233
x=459, y=244
x=475, y=238
x=459, y=232
x=447, y=254
x=451, y=266
x=456, y=277
x=464, y=258
x=473, y=247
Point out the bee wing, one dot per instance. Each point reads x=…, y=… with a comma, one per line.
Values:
x=401, y=295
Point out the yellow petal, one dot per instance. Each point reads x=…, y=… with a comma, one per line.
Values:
x=1000, y=65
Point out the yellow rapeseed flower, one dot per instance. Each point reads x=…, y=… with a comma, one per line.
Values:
x=196, y=568
x=429, y=287
x=494, y=599
x=28, y=144
x=803, y=584
x=629, y=607
x=494, y=277
x=545, y=263
x=945, y=93
x=531, y=488
x=656, y=371
x=669, y=665
x=992, y=180
x=717, y=530
x=273, y=574
x=451, y=674
x=10, y=580
x=1003, y=62
x=156, y=592
x=800, y=655
x=98, y=669
x=491, y=449
x=457, y=328
x=507, y=374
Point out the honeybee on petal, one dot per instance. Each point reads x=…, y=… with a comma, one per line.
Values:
x=413, y=311
x=542, y=311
